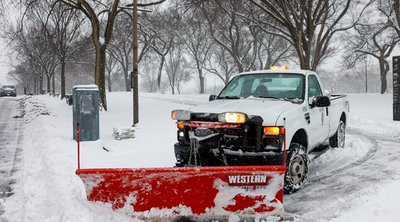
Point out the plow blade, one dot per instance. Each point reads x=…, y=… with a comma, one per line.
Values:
x=188, y=191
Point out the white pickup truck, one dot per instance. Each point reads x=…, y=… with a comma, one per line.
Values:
x=255, y=115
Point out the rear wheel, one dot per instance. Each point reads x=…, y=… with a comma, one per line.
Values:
x=338, y=140
x=297, y=168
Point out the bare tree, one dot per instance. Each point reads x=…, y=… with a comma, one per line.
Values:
x=227, y=30
x=233, y=28
x=220, y=64
x=158, y=33
x=65, y=25
x=196, y=36
x=149, y=73
x=272, y=50
x=60, y=32
x=34, y=45
x=96, y=12
x=175, y=67
x=121, y=47
x=24, y=77
x=309, y=25
x=113, y=71
x=376, y=39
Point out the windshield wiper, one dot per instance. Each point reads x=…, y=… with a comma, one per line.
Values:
x=278, y=98
x=268, y=97
x=229, y=97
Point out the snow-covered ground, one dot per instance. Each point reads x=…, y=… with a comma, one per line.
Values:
x=48, y=189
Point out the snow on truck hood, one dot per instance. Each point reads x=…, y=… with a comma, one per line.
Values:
x=268, y=109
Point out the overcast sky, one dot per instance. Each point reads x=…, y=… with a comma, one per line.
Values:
x=4, y=62
x=11, y=15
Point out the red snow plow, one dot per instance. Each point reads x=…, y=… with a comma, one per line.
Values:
x=196, y=192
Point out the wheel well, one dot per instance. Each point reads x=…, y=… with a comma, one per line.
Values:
x=300, y=137
x=343, y=118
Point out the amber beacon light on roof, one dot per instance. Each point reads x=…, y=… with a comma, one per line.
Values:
x=279, y=67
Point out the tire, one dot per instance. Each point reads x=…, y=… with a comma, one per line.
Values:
x=297, y=168
x=338, y=140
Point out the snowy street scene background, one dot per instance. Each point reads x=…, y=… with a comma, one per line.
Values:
x=149, y=57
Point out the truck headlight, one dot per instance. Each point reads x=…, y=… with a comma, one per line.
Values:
x=179, y=114
x=232, y=117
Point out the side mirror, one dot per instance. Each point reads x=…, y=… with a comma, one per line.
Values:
x=322, y=101
x=212, y=97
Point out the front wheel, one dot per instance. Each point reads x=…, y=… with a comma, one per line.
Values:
x=338, y=140
x=297, y=168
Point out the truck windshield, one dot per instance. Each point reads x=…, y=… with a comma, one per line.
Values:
x=285, y=86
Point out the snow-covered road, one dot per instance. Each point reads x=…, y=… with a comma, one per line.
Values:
x=330, y=192
x=10, y=146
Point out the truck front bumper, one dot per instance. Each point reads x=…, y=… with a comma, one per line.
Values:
x=234, y=158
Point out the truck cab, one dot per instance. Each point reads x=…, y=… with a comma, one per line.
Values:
x=257, y=117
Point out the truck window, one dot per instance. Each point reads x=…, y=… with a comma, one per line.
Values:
x=314, y=89
x=263, y=85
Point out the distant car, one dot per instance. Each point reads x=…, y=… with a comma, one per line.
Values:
x=8, y=90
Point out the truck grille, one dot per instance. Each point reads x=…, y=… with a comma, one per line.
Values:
x=207, y=117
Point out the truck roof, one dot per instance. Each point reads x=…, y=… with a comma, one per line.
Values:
x=297, y=71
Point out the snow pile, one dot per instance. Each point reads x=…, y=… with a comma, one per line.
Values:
x=120, y=133
x=33, y=108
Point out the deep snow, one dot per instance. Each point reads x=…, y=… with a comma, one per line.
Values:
x=49, y=190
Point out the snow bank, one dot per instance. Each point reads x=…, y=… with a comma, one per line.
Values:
x=373, y=113
x=380, y=203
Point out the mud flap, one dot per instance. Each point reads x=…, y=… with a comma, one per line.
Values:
x=188, y=191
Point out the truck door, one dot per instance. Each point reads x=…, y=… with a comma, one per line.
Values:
x=319, y=119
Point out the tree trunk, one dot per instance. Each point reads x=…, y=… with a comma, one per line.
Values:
x=383, y=73
x=159, y=73
x=48, y=79
x=40, y=84
x=268, y=62
x=35, y=84
x=109, y=84
x=303, y=55
x=53, y=84
x=226, y=81
x=127, y=80
x=202, y=86
x=62, y=79
x=201, y=78
x=100, y=74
